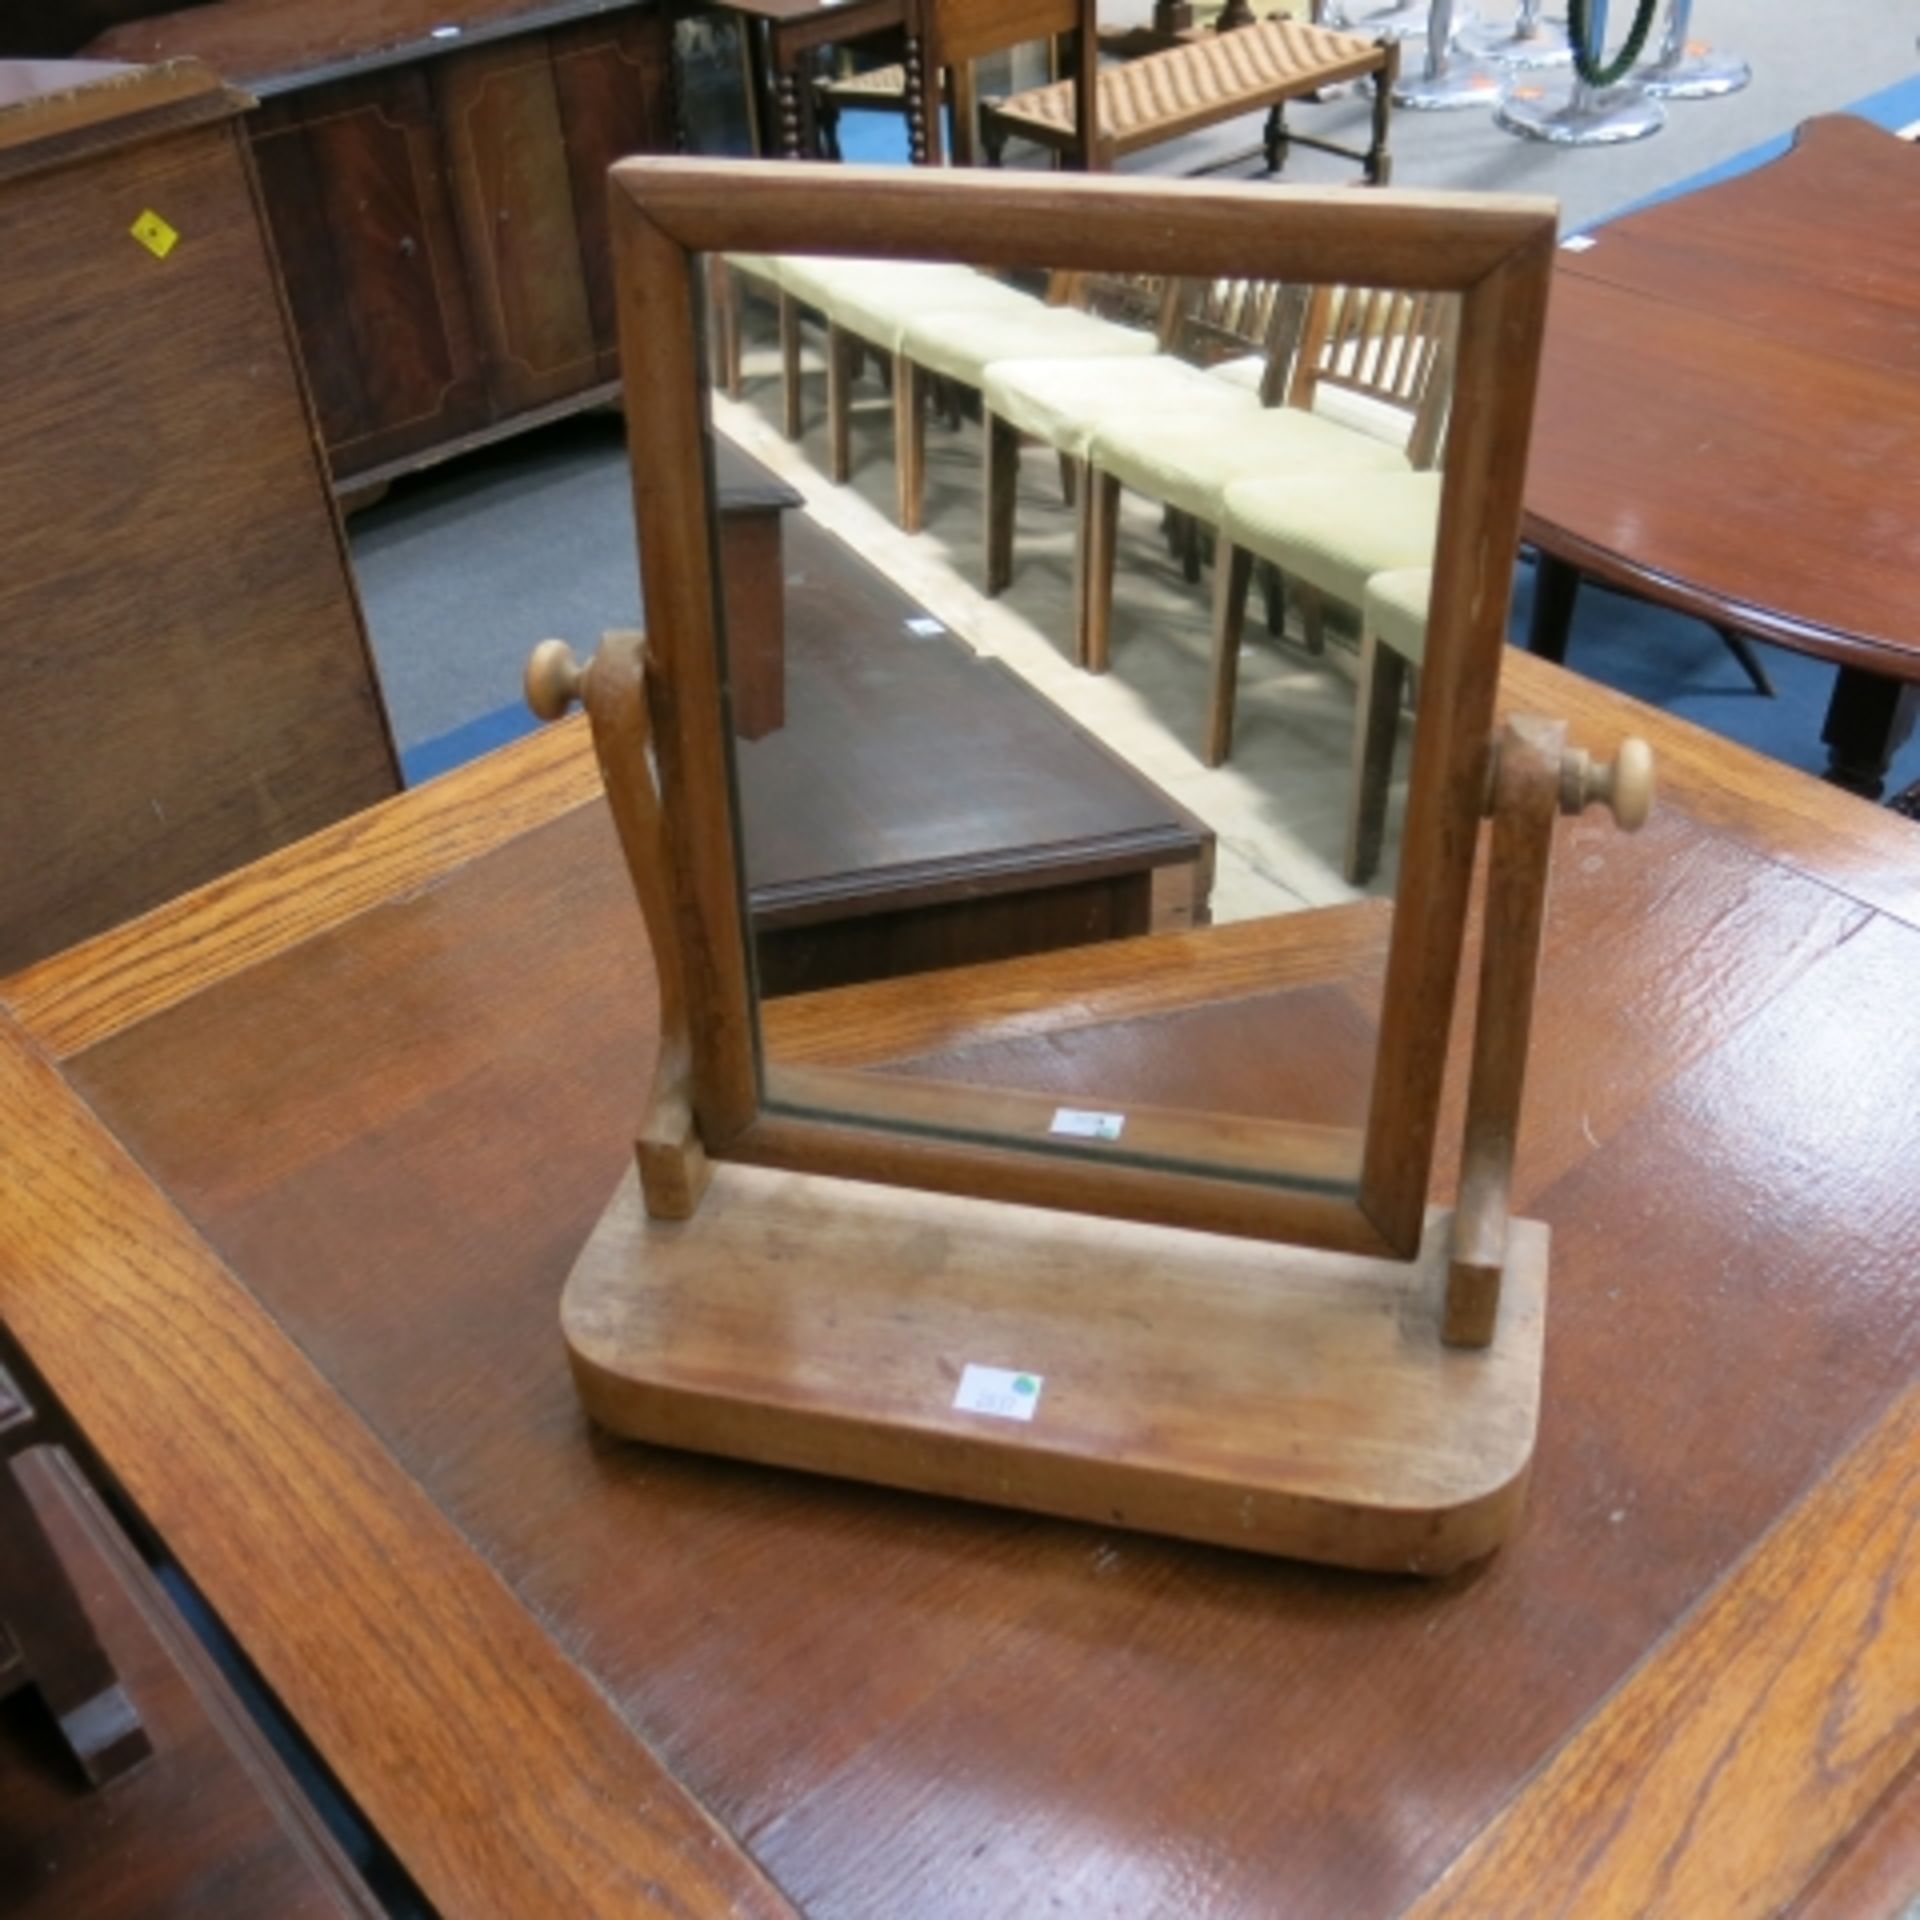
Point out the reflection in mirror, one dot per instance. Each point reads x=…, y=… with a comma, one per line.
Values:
x=1074, y=624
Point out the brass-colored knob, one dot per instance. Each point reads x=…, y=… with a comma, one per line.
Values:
x=1625, y=784
x=553, y=680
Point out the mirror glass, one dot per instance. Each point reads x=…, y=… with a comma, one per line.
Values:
x=1073, y=629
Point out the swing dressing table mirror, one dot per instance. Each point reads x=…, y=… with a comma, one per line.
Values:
x=1088, y=1207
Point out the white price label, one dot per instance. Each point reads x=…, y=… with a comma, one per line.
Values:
x=1578, y=243
x=1000, y=1391
x=1076, y=1124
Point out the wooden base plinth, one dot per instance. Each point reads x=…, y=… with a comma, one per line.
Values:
x=1220, y=1390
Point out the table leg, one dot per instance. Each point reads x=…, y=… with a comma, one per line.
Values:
x=1869, y=720
x=1556, y=585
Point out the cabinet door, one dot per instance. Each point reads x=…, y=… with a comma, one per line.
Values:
x=531, y=125
x=614, y=80
x=357, y=200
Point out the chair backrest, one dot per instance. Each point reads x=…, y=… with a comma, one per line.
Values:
x=1223, y=319
x=1391, y=348
x=953, y=32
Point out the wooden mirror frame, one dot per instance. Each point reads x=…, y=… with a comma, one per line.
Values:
x=1495, y=253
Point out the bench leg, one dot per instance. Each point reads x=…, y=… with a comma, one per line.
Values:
x=1379, y=161
x=1274, y=139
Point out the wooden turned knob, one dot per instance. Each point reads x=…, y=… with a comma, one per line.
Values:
x=553, y=680
x=1624, y=784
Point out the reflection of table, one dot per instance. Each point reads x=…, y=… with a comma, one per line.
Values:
x=923, y=807
x=1729, y=421
x=388, y=1081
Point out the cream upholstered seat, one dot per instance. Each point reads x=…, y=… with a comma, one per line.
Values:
x=1393, y=639
x=1334, y=534
x=963, y=345
x=871, y=301
x=1064, y=402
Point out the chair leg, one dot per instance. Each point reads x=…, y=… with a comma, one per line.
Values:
x=1069, y=479
x=1313, y=622
x=723, y=319
x=1231, y=579
x=909, y=443
x=1101, y=529
x=789, y=366
x=1273, y=591
x=1190, y=551
x=1376, y=731
x=1002, y=485
x=841, y=348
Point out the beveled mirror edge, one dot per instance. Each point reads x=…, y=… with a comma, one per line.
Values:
x=1496, y=251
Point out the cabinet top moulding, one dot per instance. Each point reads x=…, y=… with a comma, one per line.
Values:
x=276, y=46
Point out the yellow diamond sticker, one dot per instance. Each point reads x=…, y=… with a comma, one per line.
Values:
x=154, y=234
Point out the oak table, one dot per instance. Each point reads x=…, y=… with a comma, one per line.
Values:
x=299, y=1164
x=1729, y=422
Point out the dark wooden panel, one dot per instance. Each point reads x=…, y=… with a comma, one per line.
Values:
x=184, y=679
x=513, y=198
x=883, y=946
x=614, y=82
x=364, y=215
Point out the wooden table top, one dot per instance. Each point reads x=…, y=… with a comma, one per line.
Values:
x=270, y=46
x=298, y=1167
x=1729, y=411
x=910, y=770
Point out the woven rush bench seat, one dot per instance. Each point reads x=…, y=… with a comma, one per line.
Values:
x=1205, y=80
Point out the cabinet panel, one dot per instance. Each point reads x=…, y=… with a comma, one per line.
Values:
x=373, y=266
x=184, y=680
x=614, y=80
x=513, y=194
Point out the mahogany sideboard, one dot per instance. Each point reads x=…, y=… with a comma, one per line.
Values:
x=303, y=1161
x=185, y=681
x=434, y=176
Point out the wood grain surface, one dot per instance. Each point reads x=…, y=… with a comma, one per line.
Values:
x=1719, y=1132
x=1762, y=326
x=74, y=999
x=508, y=1785
x=1784, y=1706
x=185, y=684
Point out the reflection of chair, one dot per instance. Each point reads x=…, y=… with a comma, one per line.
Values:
x=1366, y=393
x=1332, y=534
x=1216, y=336
x=1393, y=638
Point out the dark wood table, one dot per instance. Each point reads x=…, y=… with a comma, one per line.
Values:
x=1729, y=422
x=923, y=807
x=297, y=1168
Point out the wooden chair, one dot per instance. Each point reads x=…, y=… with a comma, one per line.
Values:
x=1364, y=393
x=1204, y=80
x=1217, y=341
x=1393, y=640
x=1327, y=536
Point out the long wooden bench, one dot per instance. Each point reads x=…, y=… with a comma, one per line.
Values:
x=1208, y=79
